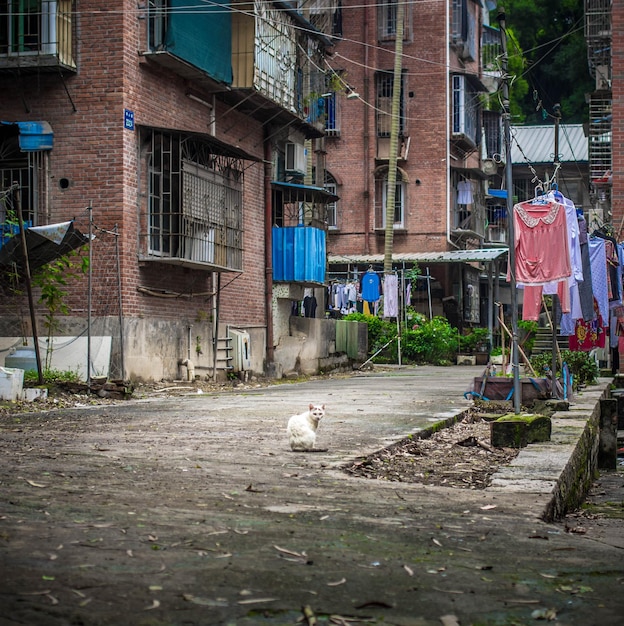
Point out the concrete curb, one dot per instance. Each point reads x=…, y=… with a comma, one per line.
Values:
x=565, y=466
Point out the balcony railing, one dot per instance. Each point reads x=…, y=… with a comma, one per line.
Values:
x=37, y=35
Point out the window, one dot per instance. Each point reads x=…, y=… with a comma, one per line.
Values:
x=331, y=208
x=332, y=125
x=463, y=30
x=465, y=109
x=381, y=197
x=26, y=169
x=383, y=103
x=387, y=20
x=459, y=22
x=195, y=202
x=157, y=24
x=36, y=27
x=493, y=134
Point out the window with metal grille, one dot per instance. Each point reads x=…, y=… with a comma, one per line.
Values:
x=383, y=103
x=37, y=28
x=493, y=132
x=195, y=202
x=27, y=170
x=465, y=109
x=387, y=20
x=381, y=197
x=331, y=208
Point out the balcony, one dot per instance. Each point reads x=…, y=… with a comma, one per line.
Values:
x=37, y=37
x=299, y=232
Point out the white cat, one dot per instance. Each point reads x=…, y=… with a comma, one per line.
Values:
x=302, y=428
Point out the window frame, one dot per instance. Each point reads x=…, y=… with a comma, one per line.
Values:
x=381, y=196
x=386, y=21
x=194, y=202
x=384, y=81
x=28, y=169
x=331, y=209
x=465, y=110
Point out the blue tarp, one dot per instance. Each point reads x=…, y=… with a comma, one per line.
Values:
x=201, y=33
x=299, y=254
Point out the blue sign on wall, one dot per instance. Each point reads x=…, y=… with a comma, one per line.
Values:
x=128, y=119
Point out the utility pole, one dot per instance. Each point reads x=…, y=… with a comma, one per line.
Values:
x=27, y=280
x=555, y=297
x=515, y=362
x=394, y=138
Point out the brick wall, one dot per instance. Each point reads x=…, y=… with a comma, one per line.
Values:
x=99, y=158
x=351, y=157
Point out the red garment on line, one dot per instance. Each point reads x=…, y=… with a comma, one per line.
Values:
x=588, y=335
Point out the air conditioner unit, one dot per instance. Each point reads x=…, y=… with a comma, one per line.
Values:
x=241, y=350
x=295, y=157
x=497, y=234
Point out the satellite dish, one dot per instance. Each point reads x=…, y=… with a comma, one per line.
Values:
x=489, y=166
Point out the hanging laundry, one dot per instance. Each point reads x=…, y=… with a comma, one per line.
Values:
x=464, y=192
x=309, y=306
x=589, y=335
x=370, y=286
x=542, y=253
x=391, y=296
x=541, y=242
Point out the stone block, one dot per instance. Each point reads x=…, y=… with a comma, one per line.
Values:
x=517, y=431
x=466, y=359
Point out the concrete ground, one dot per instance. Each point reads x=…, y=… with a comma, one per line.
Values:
x=193, y=510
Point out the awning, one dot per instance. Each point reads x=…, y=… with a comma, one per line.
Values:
x=218, y=146
x=34, y=136
x=294, y=192
x=44, y=244
x=478, y=255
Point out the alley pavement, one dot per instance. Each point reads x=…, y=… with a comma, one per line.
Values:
x=193, y=510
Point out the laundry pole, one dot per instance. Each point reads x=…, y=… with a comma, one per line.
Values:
x=515, y=361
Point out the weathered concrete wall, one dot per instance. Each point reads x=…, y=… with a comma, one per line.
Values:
x=310, y=347
x=581, y=426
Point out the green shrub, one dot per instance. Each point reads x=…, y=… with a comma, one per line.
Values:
x=51, y=376
x=528, y=332
x=434, y=341
x=582, y=366
x=473, y=340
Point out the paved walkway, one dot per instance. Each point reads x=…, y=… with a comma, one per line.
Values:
x=193, y=510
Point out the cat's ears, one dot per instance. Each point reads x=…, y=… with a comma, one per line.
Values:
x=311, y=406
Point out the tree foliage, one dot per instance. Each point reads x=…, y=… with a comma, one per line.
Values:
x=546, y=39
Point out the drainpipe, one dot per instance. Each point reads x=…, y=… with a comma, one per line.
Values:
x=268, y=248
x=366, y=87
x=447, y=90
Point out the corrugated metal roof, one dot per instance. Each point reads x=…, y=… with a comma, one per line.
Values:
x=537, y=144
x=452, y=256
x=294, y=192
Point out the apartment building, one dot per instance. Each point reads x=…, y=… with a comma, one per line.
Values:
x=604, y=26
x=450, y=148
x=170, y=134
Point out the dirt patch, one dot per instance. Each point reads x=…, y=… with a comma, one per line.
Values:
x=458, y=456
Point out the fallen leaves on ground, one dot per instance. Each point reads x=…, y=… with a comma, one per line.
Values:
x=458, y=456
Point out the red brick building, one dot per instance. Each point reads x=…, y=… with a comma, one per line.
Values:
x=447, y=141
x=161, y=128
